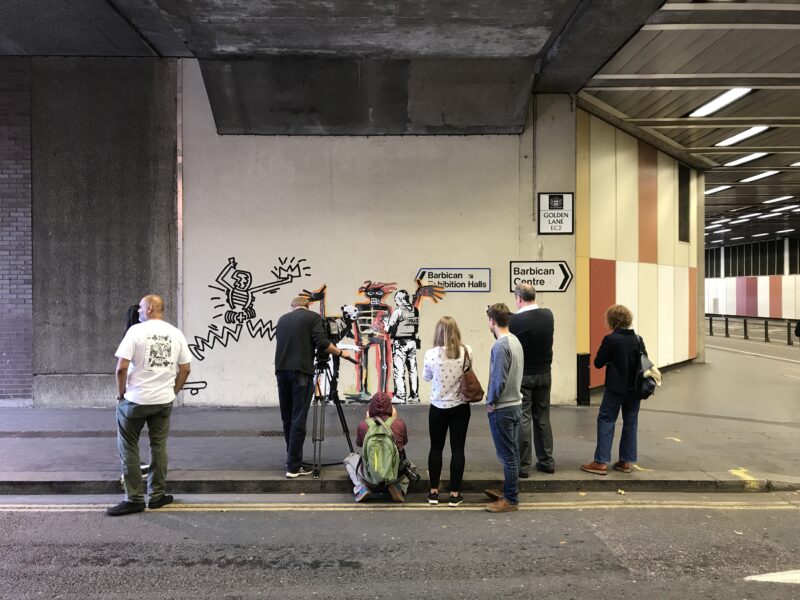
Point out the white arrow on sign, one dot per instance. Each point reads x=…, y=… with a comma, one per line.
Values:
x=544, y=275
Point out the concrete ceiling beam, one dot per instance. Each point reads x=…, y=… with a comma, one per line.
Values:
x=591, y=35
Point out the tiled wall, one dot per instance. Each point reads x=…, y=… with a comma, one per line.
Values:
x=627, y=244
x=769, y=296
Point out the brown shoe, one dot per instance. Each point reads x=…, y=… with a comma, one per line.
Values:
x=395, y=493
x=596, y=468
x=501, y=505
x=493, y=494
x=623, y=467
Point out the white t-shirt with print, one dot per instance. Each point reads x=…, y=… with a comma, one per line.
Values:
x=445, y=376
x=155, y=349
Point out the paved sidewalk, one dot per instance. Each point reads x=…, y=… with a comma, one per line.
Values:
x=702, y=432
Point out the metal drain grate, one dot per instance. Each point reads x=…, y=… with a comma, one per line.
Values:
x=273, y=433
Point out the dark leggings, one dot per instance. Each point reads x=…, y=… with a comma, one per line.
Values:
x=439, y=421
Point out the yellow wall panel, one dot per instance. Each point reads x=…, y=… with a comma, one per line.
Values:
x=627, y=158
x=648, y=308
x=602, y=190
x=582, y=191
x=667, y=205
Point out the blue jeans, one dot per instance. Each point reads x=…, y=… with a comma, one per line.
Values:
x=504, y=424
x=294, y=395
x=606, y=421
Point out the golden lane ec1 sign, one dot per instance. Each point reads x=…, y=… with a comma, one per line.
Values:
x=556, y=214
x=544, y=275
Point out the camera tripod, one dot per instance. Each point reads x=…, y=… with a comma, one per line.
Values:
x=323, y=380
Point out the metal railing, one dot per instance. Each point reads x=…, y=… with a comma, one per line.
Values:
x=752, y=327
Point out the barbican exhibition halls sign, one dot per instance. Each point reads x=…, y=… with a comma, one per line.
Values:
x=477, y=279
x=556, y=214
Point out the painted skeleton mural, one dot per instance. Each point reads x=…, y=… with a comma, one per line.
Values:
x=237, y=305
x=403, y=327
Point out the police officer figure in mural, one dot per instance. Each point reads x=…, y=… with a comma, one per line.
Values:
x=402, y=327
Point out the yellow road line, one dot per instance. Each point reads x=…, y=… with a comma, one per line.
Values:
x=287, y=507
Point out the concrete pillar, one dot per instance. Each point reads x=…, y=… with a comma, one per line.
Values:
x=554, y=131
x=701, y=267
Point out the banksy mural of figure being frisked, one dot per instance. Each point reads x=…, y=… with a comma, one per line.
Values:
x=237, y=306
x=403, y=328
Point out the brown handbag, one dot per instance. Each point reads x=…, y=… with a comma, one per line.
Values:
x=470, y=387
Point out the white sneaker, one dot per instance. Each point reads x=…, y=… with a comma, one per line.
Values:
x=301, y=472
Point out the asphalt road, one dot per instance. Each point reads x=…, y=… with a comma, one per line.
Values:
x=566, y=546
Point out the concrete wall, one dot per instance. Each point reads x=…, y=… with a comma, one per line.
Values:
x=16, y=327
x=104, y=140
x=354, y=209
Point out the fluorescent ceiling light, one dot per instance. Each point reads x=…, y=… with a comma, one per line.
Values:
x=741, y=237
x=717, y=189
x=759, y=176
x=779, y=199
x=722, y=231
x=720, y=102
x=712, y=226
x=759, y=234
x=768, y=215
x=745, y=159
x=797, y=164
x=751, y=215
x=790, y=207
x=747, y=133
x=716, y=241
x=796, y=210
x=737, y=221
x=785, y=231
x=717, y=222
x=705, y=234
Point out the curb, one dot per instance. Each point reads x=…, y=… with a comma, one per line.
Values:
x=343, y=486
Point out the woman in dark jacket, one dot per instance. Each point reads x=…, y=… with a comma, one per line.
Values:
x=619, y=353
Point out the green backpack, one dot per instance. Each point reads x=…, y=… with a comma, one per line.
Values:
x=381, y=460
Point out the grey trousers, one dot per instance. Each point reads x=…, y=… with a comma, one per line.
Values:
x=131, y=418
x=535, y=432
x=352, y=462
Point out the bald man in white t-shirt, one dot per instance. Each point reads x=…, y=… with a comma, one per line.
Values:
x=152, y=366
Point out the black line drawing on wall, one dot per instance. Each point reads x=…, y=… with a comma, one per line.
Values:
x=236, y=300
x=194, y=387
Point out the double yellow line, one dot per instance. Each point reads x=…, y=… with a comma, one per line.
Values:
x=371, y=507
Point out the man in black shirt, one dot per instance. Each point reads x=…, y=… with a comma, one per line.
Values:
x=533, y=326
x=299, y=334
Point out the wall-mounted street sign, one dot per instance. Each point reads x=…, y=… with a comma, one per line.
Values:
x=556, y=214
x=544, y=275
x=476, y=279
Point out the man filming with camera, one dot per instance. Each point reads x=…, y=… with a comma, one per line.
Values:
x=299, y=334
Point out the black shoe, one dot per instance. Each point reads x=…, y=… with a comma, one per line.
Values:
x=301, y=472
x=433, y=498
x=545, y=469
x=125, y=508
x=456, y=500
x=524, y=474
x=163, y=501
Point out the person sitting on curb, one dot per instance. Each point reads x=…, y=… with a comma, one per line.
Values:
x=383, y=436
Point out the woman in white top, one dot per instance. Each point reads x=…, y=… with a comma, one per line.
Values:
x=444, y=367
